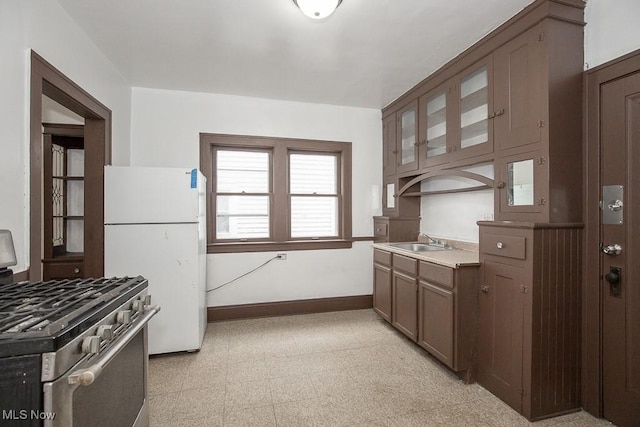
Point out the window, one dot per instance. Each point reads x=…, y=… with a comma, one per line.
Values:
x=242, y=194
x=276, y=194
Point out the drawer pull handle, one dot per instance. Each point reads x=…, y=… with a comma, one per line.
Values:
x=499, y=245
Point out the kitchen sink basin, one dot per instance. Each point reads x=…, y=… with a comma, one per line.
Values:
x=419, y=247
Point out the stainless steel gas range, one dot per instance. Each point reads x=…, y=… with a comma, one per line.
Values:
x=74, y=352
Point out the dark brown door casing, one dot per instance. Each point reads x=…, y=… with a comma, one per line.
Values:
x=47, y=80
x=620, y=166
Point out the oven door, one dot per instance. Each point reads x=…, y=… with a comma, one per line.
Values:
x=107, y=390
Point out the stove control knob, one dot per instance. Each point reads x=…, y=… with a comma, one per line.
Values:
x=91, y=344
x=124, y=317
x=105, y=332
x=138, y=305
x=147, y=300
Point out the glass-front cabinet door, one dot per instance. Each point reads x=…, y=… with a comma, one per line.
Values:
x=435, y=139
x=407, y=131
x=475, y=101
x=474, y=109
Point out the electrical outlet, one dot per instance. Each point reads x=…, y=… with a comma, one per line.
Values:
x=282, y=256
x=488, y=217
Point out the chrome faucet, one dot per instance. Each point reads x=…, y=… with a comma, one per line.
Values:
x=429, y=238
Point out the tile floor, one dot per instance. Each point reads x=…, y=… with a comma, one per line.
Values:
x=346, y=368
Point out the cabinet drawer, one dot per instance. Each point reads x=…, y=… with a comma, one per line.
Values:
x=436, y=274
x=380, y=229
x=506, y=246
x=406, y=264
x=382, y=257
x=62, y=270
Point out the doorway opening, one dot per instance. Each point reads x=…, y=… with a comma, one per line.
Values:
x=93, y=141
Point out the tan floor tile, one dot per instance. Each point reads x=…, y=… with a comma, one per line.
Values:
x=253, y=393
x=316, y=413
x=165, y=380
x=285, y=366
x=199, y=403
x=328, y=369
x=247, y=371
x=290, y=389
x=161, y=408
x=215, y=420
x=260, y=416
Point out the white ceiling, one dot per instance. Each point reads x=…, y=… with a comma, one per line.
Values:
x=366, y=54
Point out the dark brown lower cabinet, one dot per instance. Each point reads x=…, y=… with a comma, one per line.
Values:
x=404, y=313
x=448, y=315
x=434, y=305
x=382, y=279
x=382, y=291
x=529, y=316
x=501, y=331
x=436, y=321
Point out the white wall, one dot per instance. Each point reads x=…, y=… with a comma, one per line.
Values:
x=165, y=132
x=46, y=28
x=612, y=30
x=453, y=216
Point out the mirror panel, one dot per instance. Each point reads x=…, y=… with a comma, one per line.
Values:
x=520, y=183
x=391, y=200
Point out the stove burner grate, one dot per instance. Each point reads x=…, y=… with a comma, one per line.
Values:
x=43, y=308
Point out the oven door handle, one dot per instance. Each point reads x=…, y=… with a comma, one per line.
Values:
x=88, y=376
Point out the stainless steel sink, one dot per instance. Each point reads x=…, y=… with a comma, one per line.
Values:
x=419, y=247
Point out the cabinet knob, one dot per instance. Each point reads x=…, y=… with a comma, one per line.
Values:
x=500, y=184
x=499, y=245
x=76, y=270
x=484, y=289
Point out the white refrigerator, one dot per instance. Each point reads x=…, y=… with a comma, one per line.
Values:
x=155, y=227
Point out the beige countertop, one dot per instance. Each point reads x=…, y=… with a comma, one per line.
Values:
x=453, y=258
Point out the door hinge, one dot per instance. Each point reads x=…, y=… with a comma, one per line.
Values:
x=541, y=160
x=541, y=201
x=523, y=392
x=541, y=124
x=524, y=289
x=540, y=37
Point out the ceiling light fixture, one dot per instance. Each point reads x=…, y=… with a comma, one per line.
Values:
x=317, y=9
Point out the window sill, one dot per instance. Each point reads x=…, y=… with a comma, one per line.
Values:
x=298, y=245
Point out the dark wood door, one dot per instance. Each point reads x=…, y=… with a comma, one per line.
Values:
x=500, y=332
x=405, y=304
x=621, y=301
x=382, y=291
x=518, y=91
x=435, y=325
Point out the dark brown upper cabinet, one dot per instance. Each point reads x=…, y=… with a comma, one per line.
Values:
x=389, y=149
x=474, y=109
x=518, y=68
x=539, y=136
x=516, y=91
x=407, y=137
x=455, y=117
x=435, y=127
